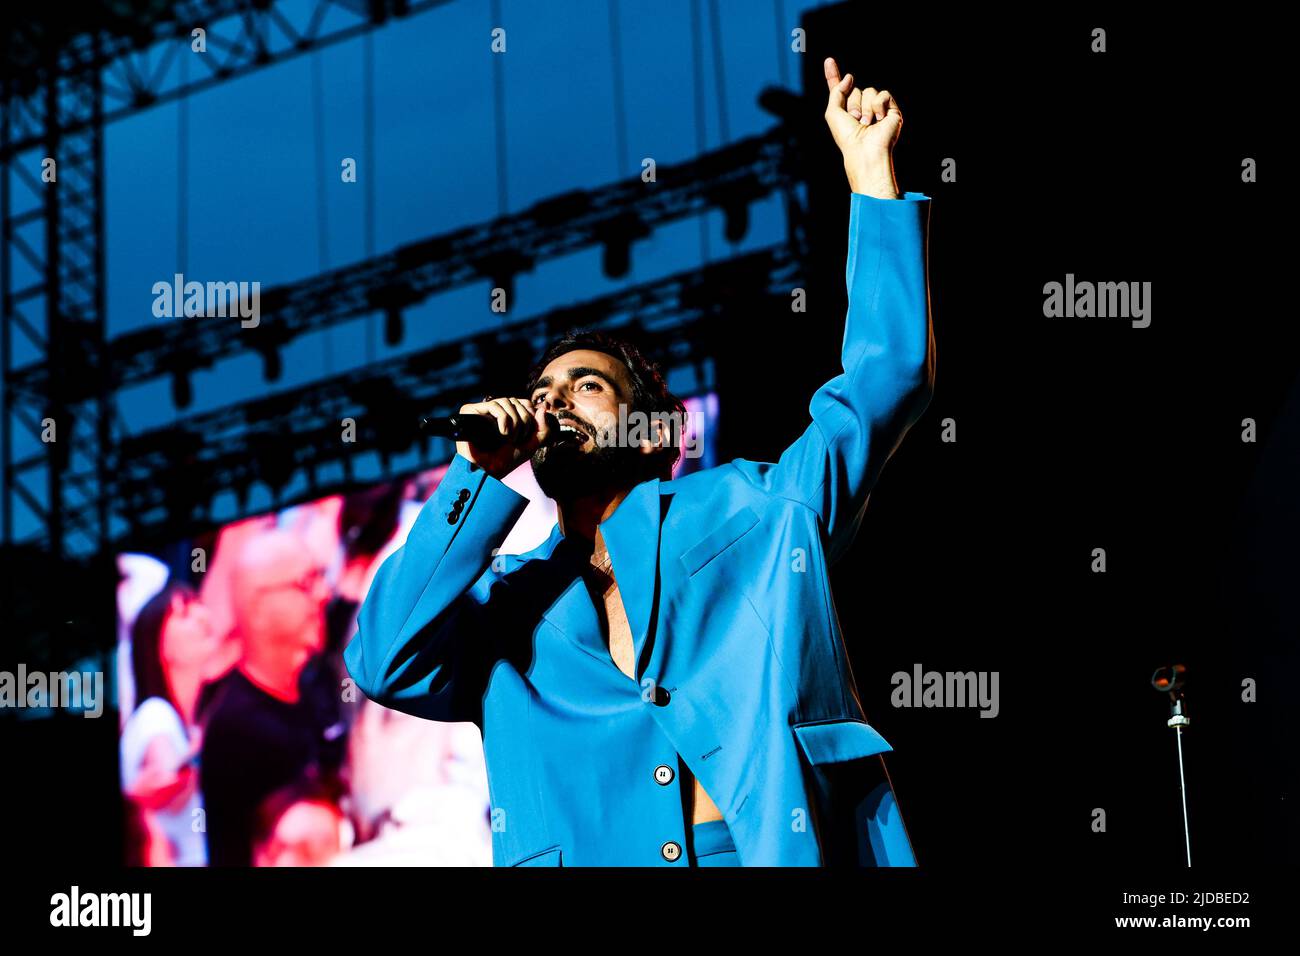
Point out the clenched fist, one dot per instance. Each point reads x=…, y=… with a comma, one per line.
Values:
x=865, y=124
x=524, y=425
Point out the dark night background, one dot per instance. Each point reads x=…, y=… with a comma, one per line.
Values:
x=1072, y=435
x=1075, y=434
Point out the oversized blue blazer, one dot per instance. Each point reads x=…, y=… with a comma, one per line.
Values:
x=741, y=669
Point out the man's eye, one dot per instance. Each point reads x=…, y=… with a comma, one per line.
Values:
x=592, y=384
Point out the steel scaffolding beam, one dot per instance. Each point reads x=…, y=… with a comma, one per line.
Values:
x=79, y=488
x=134, y=45
x=62, y=77
x=168, y=476
x=614, y=216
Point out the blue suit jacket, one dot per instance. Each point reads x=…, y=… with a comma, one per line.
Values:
x=740, y=665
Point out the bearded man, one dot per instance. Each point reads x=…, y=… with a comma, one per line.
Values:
x=661, y=682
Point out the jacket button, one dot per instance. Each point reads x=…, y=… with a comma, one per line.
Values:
x=664, y=774
x=671, y=851
x=464, y=495
x=661, y=696
x=454, y=513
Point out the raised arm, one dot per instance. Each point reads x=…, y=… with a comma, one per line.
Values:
x=860, y=416
x=421, y=631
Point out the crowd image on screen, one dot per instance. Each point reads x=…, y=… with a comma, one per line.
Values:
x=243, y=741
x=237, y=747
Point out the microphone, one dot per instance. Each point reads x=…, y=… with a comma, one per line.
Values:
x=479, y=430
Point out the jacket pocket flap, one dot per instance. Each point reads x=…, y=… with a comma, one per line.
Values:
x=834, y=741
x=718, y=540
x=547, y=857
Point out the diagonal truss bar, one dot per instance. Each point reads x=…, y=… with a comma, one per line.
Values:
x=166, y=477
x=243, y=35
x=614, y=215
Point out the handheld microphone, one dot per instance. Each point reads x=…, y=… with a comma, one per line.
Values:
x=479, y=430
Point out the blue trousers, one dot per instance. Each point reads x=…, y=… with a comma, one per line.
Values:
x=712, y=845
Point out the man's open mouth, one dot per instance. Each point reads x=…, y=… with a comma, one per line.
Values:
x=572, y=433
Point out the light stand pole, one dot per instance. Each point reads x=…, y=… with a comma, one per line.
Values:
x=1170, y=680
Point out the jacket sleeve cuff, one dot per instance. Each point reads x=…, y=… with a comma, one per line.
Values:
x=886, y=234
x=466, y=488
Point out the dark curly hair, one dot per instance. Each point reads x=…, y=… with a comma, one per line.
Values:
x=146, y=643
x=650, y=392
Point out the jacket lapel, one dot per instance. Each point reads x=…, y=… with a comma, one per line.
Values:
x=572, y=613
x=631, y=534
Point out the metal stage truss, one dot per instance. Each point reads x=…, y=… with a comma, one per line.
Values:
x=96, y=488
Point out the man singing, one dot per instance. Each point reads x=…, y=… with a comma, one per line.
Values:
x=663, y=681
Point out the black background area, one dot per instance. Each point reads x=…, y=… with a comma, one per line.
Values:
x=1072, y=434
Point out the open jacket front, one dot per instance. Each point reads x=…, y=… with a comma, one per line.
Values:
x=741, y=670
